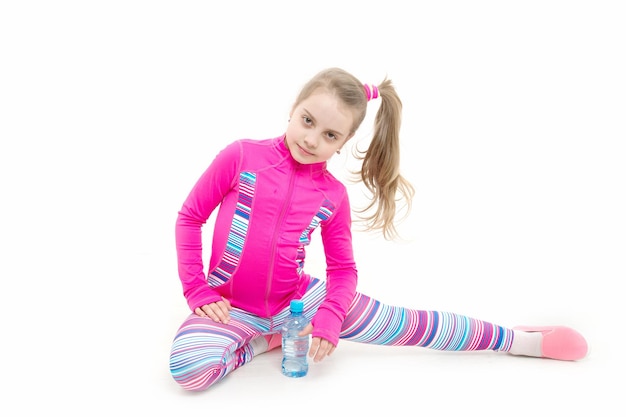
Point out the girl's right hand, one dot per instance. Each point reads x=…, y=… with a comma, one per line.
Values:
x=217, y=311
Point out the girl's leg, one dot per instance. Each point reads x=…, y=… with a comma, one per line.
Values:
x=203, y=351
x=370, y=321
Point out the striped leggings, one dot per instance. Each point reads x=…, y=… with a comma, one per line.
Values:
x=203, y=352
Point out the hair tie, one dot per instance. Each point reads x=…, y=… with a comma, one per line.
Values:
x=370, y=93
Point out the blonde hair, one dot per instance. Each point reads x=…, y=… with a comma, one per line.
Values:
x=380, y=169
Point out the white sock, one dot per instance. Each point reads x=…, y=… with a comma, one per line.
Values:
x=526, y=343
x=259, y=345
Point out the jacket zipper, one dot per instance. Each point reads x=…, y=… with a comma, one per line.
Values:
x=270, y=272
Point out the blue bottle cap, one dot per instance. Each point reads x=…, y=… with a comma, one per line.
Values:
x=297, y=306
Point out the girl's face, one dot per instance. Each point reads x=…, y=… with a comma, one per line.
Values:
x=318, y=127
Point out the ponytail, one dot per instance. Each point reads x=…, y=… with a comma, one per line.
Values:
x=380, y=169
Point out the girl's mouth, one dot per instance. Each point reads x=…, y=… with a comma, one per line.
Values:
x=304, y=151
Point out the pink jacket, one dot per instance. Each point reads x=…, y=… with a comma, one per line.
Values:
x=269, y=207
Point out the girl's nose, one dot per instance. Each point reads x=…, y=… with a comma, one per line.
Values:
x=311, y=141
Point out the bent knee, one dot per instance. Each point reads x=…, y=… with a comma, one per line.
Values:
x=197, y=375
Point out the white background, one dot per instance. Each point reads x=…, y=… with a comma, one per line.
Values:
x=513, y=136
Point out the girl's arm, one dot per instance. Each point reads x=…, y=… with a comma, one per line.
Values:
x=341, y=274
x=208, y=192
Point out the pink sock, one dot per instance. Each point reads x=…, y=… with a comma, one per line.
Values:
x=274, y=340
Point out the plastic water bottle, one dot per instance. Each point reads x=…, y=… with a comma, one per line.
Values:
x=295, y=348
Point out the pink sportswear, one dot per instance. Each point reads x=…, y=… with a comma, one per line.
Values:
x=269, y=206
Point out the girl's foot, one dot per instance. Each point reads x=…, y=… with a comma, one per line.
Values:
x=266, y=343
x=274, y=340
x=553, y=342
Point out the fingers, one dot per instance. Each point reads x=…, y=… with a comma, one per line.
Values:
x=320, y=348
x=308, y=329
x=227, y=303
x=217, y=311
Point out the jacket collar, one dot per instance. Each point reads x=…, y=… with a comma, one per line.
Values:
x=282, y=148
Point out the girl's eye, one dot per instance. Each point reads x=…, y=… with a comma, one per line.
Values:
x=307, y=120
x=331, y=136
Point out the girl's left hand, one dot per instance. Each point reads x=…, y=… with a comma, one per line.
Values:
x=320, y=348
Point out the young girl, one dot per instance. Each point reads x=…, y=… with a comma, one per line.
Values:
x=272, y=195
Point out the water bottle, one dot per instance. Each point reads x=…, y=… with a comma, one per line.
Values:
x=295, y=348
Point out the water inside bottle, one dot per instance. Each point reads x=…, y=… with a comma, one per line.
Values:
x=295, y=362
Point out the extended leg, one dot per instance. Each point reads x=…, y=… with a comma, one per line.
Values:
x=370, y=321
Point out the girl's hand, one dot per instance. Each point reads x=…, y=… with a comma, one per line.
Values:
x=217, y=311
x=320, y=348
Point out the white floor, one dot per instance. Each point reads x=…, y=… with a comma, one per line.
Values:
x=513, y=135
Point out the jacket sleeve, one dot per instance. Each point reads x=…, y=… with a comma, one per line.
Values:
x=208, y=192
x=341, y=274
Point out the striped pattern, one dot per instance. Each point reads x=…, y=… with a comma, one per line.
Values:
x=325, y=211
x=204, y=352
x=369, y=321
x=238, y=231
